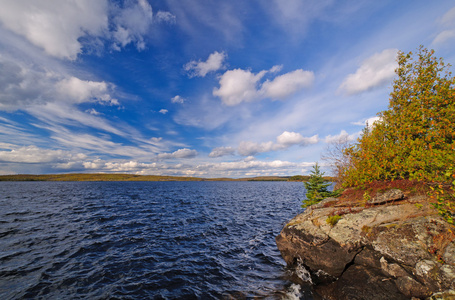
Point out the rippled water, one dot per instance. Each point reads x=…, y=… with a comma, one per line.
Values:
x=154, y=240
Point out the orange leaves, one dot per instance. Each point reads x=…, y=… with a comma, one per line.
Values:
x=416, y=136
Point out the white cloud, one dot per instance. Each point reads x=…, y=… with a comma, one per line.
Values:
x=163, y=111
x=22, y=86
x=449, y=17
x=247, y=148
x=177, y=99
x=292, y=138
x=276, y=69
x=63, y=28
x=56, y=26
x=33, y=154
x=342, y=136
x=370, y=121
x=93, y=112
x=284, y=141
x=375, y=71
x=222, y=151
x=444, y=36
x=287, y=84
x=165, y=16
x=237, y=86
x=131, y=24
x=448, y=22
x=201, y=68
x=181, y=153
x=75, y=90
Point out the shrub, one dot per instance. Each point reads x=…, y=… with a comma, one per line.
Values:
x=415, y=138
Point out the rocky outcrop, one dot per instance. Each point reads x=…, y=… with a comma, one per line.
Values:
x=389, y=247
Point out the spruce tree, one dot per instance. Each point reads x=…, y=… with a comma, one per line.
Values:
x=316, y=187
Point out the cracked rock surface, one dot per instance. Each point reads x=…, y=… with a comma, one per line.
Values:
x=396, y=247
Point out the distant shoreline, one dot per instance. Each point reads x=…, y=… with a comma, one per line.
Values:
x=131, y=177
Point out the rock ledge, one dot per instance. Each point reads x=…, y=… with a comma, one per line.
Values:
x=393, y=247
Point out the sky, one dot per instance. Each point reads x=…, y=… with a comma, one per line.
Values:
x=202, y=88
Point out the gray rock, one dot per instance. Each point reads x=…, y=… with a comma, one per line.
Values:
x=388, y=196
x=391, y=251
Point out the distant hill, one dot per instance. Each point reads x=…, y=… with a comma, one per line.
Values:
x=131, y=177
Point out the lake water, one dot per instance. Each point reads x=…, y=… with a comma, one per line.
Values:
x=147, y=240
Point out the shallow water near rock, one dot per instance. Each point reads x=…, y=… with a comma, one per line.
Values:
x=154, y=240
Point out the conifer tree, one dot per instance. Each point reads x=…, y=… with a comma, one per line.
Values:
x=316, y=187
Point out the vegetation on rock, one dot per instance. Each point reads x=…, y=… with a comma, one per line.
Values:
x=415, y=138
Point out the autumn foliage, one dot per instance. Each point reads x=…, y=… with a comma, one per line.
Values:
x=415, y=137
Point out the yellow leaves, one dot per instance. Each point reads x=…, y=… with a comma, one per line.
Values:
x=416, y=137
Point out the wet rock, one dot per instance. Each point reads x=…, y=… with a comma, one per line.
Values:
x=359, y=282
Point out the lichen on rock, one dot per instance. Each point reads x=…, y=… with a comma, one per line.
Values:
x=406, y=250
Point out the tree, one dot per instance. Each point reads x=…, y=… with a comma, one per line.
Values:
x=415, y=138
x=316, y=187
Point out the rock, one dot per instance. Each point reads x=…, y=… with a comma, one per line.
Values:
x=392, y=270
x=359, y=282
x=399, y=250
x=368, y=258
x=447, y=295
x=411, y=288
x=390, y=195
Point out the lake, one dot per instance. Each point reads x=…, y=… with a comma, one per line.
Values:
x=147, y=240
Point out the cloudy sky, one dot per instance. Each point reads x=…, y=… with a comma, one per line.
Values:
x=198, y=87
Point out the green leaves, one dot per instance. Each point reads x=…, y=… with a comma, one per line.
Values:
x=415, y=138
x=316, y=188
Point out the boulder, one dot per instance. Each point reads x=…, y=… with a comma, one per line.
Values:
x=389, y=250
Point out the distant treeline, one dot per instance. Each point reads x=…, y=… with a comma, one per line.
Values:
x=130, y=177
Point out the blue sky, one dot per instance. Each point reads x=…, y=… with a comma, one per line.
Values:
x=199, y=88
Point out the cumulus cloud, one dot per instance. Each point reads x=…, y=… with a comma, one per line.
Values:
x=222, y=151
x=181, y=153
x=237, y=86
x=201, y=68
x=375, y=71
x=75, y=90
x=62, y=28
x=284, y=141
x=342, y=136
x=292, y=138
x=163, y=111
x=240, y=85
x=370, y=121
x=131, y=24
x=177, y=99
x=22, y=86
x=287, y=84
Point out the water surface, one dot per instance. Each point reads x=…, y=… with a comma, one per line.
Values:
x=154, y=240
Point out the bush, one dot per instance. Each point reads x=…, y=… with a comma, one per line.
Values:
x=415, y=138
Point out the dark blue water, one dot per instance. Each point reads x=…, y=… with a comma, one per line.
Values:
x=146, y=240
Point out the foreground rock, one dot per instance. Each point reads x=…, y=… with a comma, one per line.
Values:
x=394, y=247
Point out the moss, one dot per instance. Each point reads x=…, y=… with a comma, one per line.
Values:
x=333, y=220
